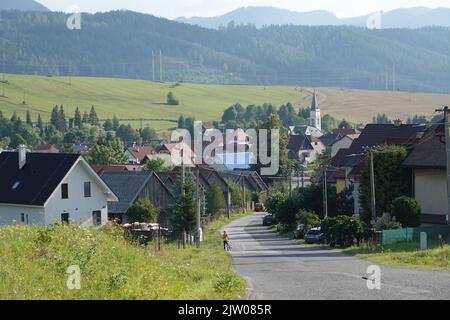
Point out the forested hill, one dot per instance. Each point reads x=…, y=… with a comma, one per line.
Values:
x=23, y=5
x=119, y=44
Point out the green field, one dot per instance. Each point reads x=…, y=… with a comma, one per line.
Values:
x=130, y=99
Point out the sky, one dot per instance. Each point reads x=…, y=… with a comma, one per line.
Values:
x=206, y=8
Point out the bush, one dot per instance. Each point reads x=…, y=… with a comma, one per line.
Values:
x=308, y=218
x=407, y=211
x=342, y=230
x=142, y=211
x=386, y=223
x=287, y=212
x=171, y=100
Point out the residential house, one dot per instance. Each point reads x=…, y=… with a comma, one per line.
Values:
x=116, y=168
x=48, y=188
x=375, y=135
x=428, y=163
x=305, y=131
x=343, y=143
x=138, y=155
x=130, y=187
x=304, y=148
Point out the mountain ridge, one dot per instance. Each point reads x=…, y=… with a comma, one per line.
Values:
x=414, y=17
x=22, y=5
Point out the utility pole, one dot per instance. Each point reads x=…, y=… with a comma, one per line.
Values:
x=153, y=65
x=228, y=201
x=325, y=193
x=446, y=111
x=373, y=206
x=198, y=208
x=393, y=78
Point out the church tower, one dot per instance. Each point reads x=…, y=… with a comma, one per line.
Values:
x=316, y=120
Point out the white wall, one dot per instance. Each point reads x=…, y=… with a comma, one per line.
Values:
x=431, y=190
x=79, y=208
x=10, y=215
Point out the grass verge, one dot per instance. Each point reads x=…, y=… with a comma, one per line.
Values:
x=34, y=260
x=406, y=255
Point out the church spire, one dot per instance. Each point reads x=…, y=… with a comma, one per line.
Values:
x=314, y=102
x=316, y=120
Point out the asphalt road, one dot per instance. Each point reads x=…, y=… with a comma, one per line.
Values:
x=277, y=268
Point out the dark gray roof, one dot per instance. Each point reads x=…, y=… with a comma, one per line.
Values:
x=299, y=142
x=429, y=152
x=127, y=186
x=37, y=180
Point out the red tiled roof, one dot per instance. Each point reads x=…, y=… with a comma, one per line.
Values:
x=140, y=152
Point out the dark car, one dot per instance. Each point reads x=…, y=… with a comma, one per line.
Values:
x=314, y=236
x=268, y=220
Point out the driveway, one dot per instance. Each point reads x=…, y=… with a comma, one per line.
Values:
x=277, y=268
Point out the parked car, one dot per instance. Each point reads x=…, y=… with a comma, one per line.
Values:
x=259, y=207
x=299, y=233
x=268, y=220
x=314, y=236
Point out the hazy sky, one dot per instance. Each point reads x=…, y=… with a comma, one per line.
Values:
x=176, y=8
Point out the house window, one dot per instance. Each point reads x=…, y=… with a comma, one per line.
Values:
x=97, y=218
x=87, y=189
x=65, y=218
x=24, y=218
x=65, y=191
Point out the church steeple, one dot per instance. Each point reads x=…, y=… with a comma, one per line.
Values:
x=316, y=120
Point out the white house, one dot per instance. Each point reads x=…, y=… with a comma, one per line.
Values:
x=44, y=188
x=343, y=143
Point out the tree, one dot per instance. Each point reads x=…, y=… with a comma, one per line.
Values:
x=54, y=117
x=116, y=123
x=183, y=209
x=181, y=122
x=127, y=133
x=143, y=211
x=274, y=122
x=77, y=120
x=85, y=118
x=155, y=165
x=344, y=124
x=108, y=125
x=111, y=152
x=308, y=218
x=40, y=124
x=392, y=180
x=149, y=135
x=61, y=120
x=171, y=100
x=229, y=114
x=215, y=200
x=4, y=142
x=236, y=194
x=28, y=118
x=407, y=211
x=93, y=118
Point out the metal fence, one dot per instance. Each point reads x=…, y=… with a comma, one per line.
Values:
x=412, y=234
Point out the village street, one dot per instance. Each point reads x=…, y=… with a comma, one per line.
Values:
x=277, y=268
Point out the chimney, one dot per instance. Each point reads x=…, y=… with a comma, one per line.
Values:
x=22, y=155
x=397, y=123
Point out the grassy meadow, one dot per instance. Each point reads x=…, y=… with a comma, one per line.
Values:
x=34, y=260
x=130, y=99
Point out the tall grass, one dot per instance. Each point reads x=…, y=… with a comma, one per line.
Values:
x=34, y=260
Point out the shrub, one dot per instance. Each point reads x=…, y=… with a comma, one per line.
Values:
x=308, y=218
x=143, y=211
x=407, y=211
x=342, y=230
x=171, y=100
x=387, y=223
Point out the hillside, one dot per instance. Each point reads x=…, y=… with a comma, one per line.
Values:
x=134, y=99
x=131, y=99
x=120, y=44
x=22, y=5
x=265, y=16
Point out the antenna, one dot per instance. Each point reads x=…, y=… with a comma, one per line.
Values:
x=153, y=65
x=160, y=66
